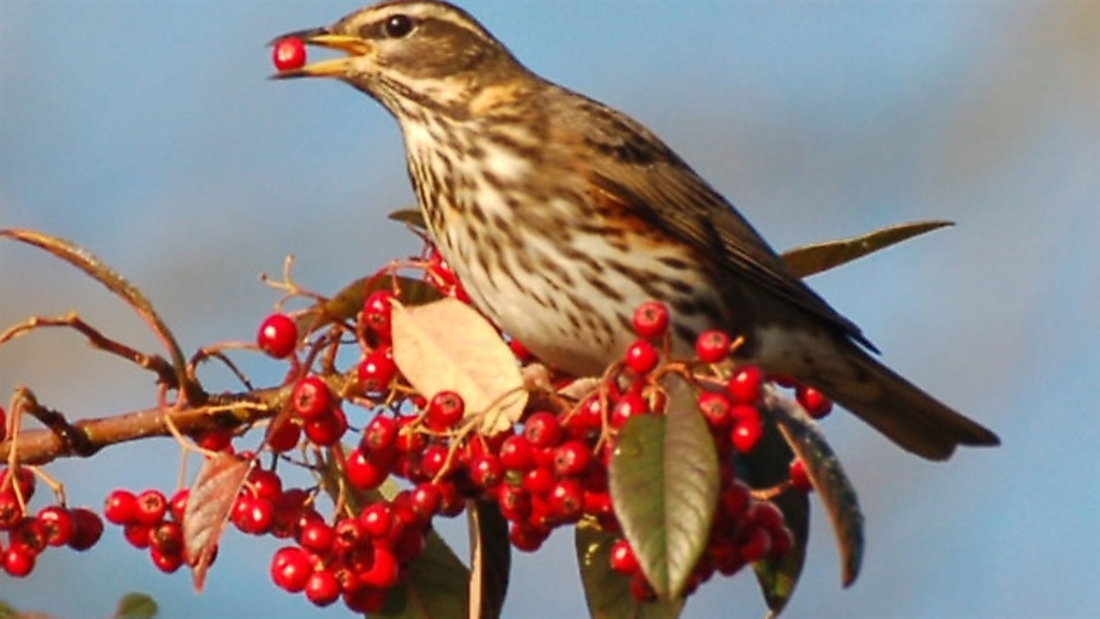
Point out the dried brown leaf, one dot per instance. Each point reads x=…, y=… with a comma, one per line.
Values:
x=212, y=496
x=447, y=345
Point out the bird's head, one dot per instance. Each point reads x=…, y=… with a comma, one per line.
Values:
x=416, y=56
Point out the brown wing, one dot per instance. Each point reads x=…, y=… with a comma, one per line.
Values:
x=642, y=172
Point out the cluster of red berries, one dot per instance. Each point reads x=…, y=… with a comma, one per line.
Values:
x=28, y=536
x=151, y=521
x=551, y=470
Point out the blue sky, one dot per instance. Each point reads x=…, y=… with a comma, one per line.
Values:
x=148, y=133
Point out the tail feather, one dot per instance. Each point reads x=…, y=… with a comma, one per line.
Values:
x=903, y=412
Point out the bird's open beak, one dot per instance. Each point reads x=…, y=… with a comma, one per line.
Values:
x=322, y=37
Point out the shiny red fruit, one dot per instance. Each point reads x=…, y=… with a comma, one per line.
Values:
x=289, y=53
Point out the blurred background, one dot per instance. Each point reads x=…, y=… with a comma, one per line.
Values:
x=148, y=133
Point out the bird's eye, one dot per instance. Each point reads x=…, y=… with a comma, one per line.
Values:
x=398, y=26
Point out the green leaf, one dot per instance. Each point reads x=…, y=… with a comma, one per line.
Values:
x=348, y=302
x=767, y=466
x=490, y=557
x=6, y=611
x=606, y=591
x=412, y=216
x=136, y=606
x=434, y=588
x=664, y=479
x=832, y=485
x=812, y=259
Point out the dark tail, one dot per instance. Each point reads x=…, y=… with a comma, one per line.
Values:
x=899, y=409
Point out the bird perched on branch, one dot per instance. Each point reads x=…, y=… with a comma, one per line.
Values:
x=561, y=215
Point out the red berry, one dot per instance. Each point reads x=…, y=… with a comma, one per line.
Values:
x=572, y=458
x=311, y=398
x=30, y=534
x=543, y=429
x=384, y=570
x=630, y=405
x=642, y=357
x=745, y=385
x=290, y=569
x=10, y=511
x=623, y=560
x=735, y=499
x=782, y=542
x=712, y=346
x=433, y=461
x=254, y=516
x=765, y=514
x=452, y=502
x=138, y=535
x=757, y=545
x=277, y=336
x=285, y=437
x=425, y=500
x=640, y=589
x=316, y=537
x=514, y=502
x=445, y=410
x=377, y=370
x=381, y=434
x=651, y=320
x=815, y=402
x=716, y=409
x=746, y=434
x=120, y=507
x=517, y=454
x=378, y=313
x=567, y=500
x=538, y=480
x=322, y=588
x=527, y=538
x=485, y=470
x=167, y=562
x=58, y=524
x=24, y=478
x=289, y=53
x=88, y=529
x=326, y=430
x=799, y=478
x=365, y=600
x=18, y=560
x=410, y=441
x=363, y=473
x=178, y=503
x=215, y=440
x=151, y=507
x=377, y=519
x=167, y=538
x=265, y=484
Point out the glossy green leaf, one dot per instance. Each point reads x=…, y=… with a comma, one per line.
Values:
x=664, y=484
x=832, y=485
x=490, y=557
x=434, y=588
x=606, y=591
x=812, y=259
x=136, y=606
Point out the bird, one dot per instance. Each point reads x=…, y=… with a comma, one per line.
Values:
x=560, y=215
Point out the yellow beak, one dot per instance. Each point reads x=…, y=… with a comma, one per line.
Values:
x=321, y=37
